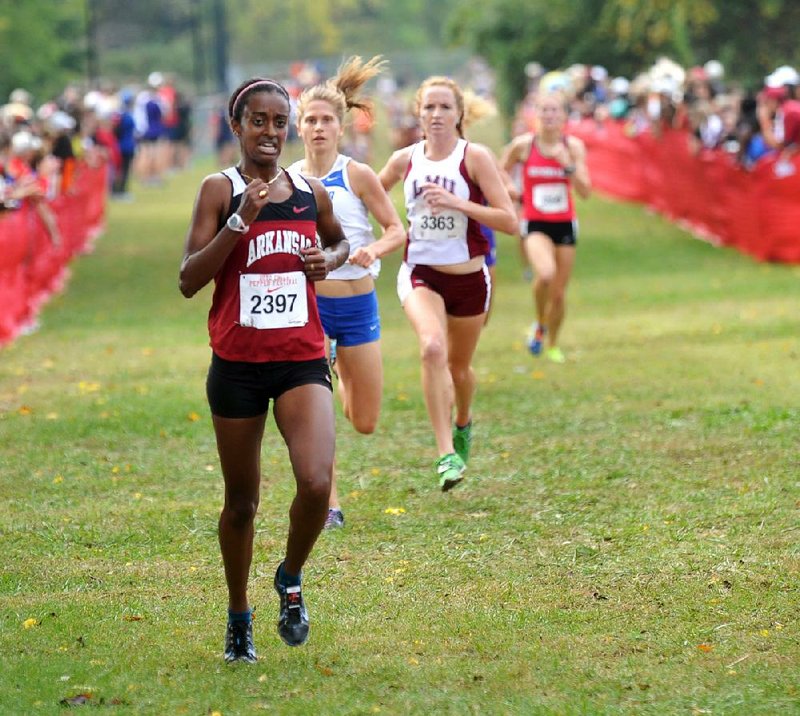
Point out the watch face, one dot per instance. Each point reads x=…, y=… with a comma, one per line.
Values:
x=235, y=223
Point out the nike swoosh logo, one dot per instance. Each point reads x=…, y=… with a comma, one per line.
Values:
x=299, y=209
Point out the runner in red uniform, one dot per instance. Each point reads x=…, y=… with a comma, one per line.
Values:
x=253, y=232
x=553, y=163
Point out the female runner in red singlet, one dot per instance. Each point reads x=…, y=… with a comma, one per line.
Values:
x=253, y=232
x=553, y=163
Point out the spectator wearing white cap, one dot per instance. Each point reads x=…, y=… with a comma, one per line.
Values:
x=618, y=100
x=148, y=114
x=30, y=187
x=779, y=115
x=786, y=77
x=59, y=130
x=18, y=110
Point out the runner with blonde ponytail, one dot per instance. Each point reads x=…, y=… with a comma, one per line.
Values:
x=347, y=300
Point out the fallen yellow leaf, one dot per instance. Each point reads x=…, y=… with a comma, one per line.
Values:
x=28, y=623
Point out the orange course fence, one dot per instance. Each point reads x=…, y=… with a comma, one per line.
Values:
x=32, y=268
x=756, y=211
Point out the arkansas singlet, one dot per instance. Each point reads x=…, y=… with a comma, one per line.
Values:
x=449, y=237
x=546, y=194
x=263, y=307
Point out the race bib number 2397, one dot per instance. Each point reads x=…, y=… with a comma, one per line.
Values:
x=273, y=300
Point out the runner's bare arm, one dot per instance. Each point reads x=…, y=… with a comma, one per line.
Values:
x=580, y=177
x=369, y=189
x=207, y=246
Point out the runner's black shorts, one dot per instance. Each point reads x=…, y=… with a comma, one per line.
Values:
x=561, y=233
x=238, y=389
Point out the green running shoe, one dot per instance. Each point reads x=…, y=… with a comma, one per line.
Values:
x=556, y=355
x=450, y=469
x=462, y=440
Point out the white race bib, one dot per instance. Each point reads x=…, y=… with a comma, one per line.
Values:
x=442, y=227
x=273, y=300
x=550, y=198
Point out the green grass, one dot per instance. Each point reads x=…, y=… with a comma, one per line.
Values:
x=626, y=541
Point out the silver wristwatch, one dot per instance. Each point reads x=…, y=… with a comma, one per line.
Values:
x=235, y=223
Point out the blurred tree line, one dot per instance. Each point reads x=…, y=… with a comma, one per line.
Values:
x=749, y=37
x=45, y=44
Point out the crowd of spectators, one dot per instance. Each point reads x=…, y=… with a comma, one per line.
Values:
x=146, y=130
x=718, y=114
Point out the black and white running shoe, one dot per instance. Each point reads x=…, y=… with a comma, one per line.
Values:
x=293, y=617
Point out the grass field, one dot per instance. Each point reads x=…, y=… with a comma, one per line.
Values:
x=626, y=541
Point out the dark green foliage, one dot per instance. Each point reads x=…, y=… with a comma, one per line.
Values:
x=42, y=46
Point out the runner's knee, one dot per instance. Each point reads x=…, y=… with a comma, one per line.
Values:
x=315, y=487
x=240, y=512
x=546, y=268
x=433, y=351
x=364, y=424
x=461, y=374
